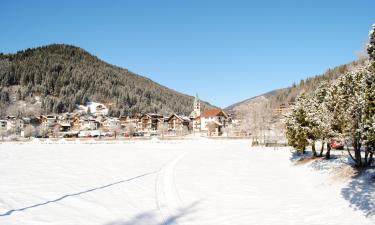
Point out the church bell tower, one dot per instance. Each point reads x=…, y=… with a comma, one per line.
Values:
x=197, y=106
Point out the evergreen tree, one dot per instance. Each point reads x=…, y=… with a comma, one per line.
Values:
x=297, y=125
x=371, y=45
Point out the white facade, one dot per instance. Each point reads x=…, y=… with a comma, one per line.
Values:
x=206, y=120
x=14, y=123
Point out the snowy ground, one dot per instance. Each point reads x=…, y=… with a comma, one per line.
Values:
x=211, y=182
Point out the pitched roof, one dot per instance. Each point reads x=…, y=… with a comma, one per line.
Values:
x=182, y=118
x=213, y=112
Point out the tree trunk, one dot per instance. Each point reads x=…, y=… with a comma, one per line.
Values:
x=371, y=158
x=321, y=149
x=367, y=152
x=303, y=149
x=357, y=153
x=313, y=149
x=328, y=153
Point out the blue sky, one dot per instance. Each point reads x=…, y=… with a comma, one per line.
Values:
x=225, y=51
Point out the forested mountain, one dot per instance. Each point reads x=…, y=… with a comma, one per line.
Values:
x=61, y=76
x=288, y=95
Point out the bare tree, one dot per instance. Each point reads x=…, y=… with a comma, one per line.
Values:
x=130, y=129
x=256, y=119
x=115, y=128
x=28, y=131
x=185, y=130
x=56, y=131
x=162, y=129
x=44, y=130
x=3, y=133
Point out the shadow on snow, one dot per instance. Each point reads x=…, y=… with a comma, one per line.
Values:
x=8, y=213
x=360, y=193
x=152, y=218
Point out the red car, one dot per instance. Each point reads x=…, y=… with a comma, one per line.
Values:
x=338, y=145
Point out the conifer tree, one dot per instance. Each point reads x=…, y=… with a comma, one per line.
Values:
x=371, y=45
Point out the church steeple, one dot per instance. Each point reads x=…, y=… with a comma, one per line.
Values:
x=197, y=106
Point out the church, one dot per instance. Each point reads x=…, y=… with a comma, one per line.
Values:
x=211, y=121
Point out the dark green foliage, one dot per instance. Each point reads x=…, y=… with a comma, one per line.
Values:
x=297, y=125
x=371, y=45
x=65, y=75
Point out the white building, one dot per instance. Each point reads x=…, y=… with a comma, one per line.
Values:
x=14, y=123
x=212, y=121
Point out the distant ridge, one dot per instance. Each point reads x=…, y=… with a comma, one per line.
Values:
x=288, y=95
x=268, y=94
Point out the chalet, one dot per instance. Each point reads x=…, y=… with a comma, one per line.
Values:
x=126, y=121
x=85, y=123
x=149, y=122
x=48, y=120
x=110, y=123
x=213, y=120
x=76, y=123
x=178, y=123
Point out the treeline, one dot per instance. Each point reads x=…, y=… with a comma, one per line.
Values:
x=63, y=76
x=340, y=110
x=288, y=95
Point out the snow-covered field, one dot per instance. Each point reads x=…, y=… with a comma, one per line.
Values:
x=211, y=182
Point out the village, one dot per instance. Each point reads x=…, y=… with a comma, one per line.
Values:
x=92, y=121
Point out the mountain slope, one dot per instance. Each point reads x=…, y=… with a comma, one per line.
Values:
x=62, y=76
x=288, y=95
x=249, y=101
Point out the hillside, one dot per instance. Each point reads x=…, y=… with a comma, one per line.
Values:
x=57, y=77
x=251, y=100
x=288, y=95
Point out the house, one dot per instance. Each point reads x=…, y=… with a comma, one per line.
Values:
x=85, y=123
x=111, y=123
x=212, y=121
x=149, y=122
x=14, y=124
x=89, y=123
x=48, y=120
x=76, y=123
x=178, y=123
x=133, y=121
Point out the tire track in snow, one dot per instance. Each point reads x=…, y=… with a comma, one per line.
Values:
x=167, y=198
